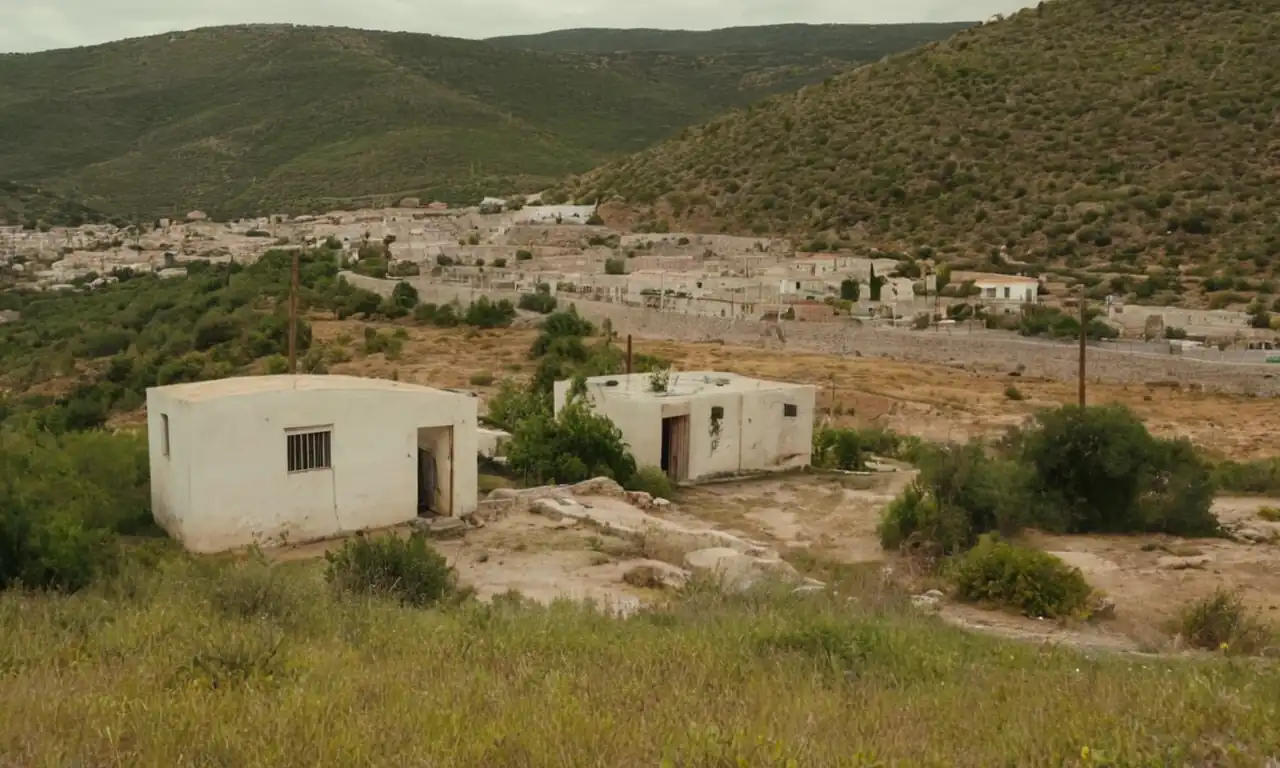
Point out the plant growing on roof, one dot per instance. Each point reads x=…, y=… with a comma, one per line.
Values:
x=660, y=380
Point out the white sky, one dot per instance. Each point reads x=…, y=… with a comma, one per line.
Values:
x=35, y=25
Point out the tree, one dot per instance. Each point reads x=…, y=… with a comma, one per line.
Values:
x=574, y=445
x=404, y=295
x=1102, y=471
x=877, y=283
x=850, y=289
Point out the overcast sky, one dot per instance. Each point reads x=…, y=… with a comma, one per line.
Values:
x=36, y=25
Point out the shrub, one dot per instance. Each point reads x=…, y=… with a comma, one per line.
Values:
x=835, y=448
x=407, y=569
x=404, y=295
x=561, y=325
x=512, y=405
x=1103, y=472
x=63, y=499
x=1221, y=622
x=1013, y=393
x=653, y=481
x=962, y=493
x=523, y=255
x=542, y=303
x=615, y=267
x=574, y=445
x=1035, y=583
x=1260, y=477
x=484, y=313
x=481, y=379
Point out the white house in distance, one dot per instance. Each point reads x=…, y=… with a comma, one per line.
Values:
x=270, y=459
x=706, y=424
x=1002, y=289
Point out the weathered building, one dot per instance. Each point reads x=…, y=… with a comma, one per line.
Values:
x=269, y=459
x=706, y=424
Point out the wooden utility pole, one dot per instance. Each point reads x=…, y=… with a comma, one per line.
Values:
x=1083, y=348
x=628, y=354
x=293, y=315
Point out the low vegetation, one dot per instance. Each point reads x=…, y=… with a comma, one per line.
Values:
x=182, y=658
x=406, y=569
x=1222, y=622
x=1033, y=582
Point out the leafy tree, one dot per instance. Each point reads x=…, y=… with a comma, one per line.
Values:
x=574, y=445
x=1103, y=472
x=850, y=289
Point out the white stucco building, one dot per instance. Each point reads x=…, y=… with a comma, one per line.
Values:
x=706, y=424
x=1002, y=289
x=270, y=459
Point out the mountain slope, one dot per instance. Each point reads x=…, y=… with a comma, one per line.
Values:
x=256, y=119
x=861, y=42
x=1081, y=131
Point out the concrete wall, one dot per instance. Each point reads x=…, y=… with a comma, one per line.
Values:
x=965, y=344
x=226, y=482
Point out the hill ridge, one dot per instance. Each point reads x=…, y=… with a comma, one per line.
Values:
x=252, y=119
x=1077, y=132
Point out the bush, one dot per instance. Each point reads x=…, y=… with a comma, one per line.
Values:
x=481, y=379
x=1103, y=472
x=63, y=501
x=835, y=448
x=513, y=405
x=1258, y=477
x=1221, y=622
x=1013, y=393
x=653, y=481
x=962, y=494
x=407, y=569
x=543, y=303
x=615, y=267
x=523, y=255
x=572, y=446
x=563, y=324
x=1035, y=583
x=404, y=295
x=484, y=313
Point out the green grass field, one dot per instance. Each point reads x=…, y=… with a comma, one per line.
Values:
x=244, y=665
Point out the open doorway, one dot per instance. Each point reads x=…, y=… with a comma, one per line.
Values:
x=675, y=448
x=435, y=471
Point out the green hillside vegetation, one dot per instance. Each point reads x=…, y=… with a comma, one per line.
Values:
x=1126, y=133
x=857, y=42
x=260, y=119
x=30, y=206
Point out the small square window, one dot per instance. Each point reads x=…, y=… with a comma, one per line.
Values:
x=717, y=412
x=790, y=410
x=309, y=450
x=164, y=435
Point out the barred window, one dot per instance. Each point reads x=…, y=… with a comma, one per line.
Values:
x=309, y=449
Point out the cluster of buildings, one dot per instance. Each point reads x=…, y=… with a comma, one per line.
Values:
x=293, y=458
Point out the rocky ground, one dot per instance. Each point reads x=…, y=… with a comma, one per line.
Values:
x=619, y=549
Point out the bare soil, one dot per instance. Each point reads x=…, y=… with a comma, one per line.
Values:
x=931, y=401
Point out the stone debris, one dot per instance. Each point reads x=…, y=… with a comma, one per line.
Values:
x=655, y=574
x=441, y=527
x=929, y=601
x=1173, y=563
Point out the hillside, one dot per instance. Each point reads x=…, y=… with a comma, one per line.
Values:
x=256, y=119
x=860, y=42
x=1082, y=131
x=23, y=204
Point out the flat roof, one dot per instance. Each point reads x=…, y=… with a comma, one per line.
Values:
x=684, y=384
x=992, y=277
x=237, y=386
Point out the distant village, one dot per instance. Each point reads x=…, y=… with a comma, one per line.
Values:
x=521, y=245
